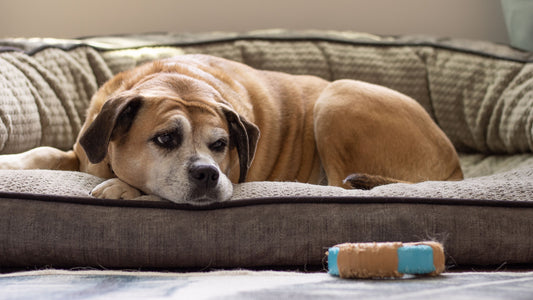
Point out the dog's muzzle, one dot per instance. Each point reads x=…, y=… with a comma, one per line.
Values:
x=204, y=179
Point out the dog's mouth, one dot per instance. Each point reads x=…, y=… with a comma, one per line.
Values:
x=203, y=201
x=202, y=186
x=197, y=197
x=196, y=200
x=202, y=197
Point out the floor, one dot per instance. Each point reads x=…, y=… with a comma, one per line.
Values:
x=60, y=284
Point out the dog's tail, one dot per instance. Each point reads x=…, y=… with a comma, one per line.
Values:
x=367, y=182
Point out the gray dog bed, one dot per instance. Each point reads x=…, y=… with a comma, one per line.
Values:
x=480, y=94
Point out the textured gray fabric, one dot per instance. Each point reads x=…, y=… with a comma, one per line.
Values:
x=286, y=229
x=48, y=182
x=511, y=185
x=43, y=97
x=281, y=232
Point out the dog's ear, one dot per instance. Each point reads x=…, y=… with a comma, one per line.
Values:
x=114, y=120
x=244, y=135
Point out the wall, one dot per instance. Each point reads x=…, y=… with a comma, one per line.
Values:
x=476, y=19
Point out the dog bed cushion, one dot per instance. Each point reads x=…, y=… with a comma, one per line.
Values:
x=481, y=94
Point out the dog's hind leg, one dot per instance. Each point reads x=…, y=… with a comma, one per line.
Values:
x=367, y=129
x=349, y=137
x=41, y=158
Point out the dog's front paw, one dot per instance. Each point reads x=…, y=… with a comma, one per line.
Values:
x=115, y=188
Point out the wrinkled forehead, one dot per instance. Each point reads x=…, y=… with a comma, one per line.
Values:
x=160, y=115
x=175, y=101
x=177, y=86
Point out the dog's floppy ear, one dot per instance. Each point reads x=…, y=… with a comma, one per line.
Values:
x=244, y=135
x=112, y=121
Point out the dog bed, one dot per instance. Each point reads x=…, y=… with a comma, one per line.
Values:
x=479, y=93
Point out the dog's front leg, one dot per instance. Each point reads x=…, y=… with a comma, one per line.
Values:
x=115, y=188
x=41, y=158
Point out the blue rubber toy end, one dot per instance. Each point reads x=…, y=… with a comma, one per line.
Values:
x=415, y=259
x=333, y=268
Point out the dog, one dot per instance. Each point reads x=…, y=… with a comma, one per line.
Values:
x=187, y=128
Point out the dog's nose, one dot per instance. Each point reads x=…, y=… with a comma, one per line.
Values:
x=204, y=176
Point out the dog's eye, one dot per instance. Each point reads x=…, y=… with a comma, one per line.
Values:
x=169, y=140
x=219, y=145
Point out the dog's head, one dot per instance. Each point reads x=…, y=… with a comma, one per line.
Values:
x=174, y=137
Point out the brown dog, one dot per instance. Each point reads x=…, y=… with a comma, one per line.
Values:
x=188, y=127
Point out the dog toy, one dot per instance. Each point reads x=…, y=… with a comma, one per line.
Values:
x=381, y=260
